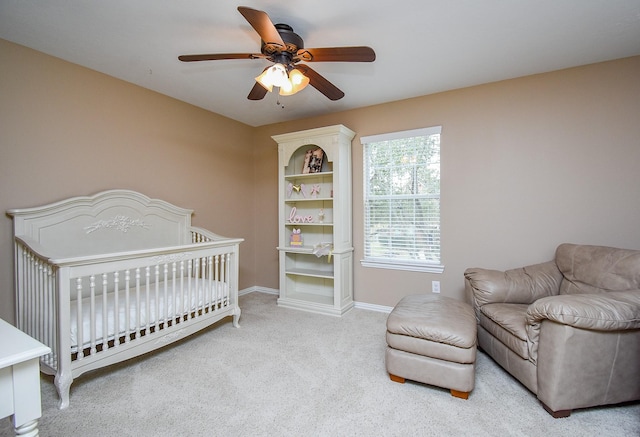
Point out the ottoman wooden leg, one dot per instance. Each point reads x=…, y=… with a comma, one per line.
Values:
x=460, y=394
x=395, y=378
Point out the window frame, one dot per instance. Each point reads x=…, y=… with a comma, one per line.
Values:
x=390, y=263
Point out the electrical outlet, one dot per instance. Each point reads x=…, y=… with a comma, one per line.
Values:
x=435, y=286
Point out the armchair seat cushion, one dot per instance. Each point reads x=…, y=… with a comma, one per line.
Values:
x=506, y=322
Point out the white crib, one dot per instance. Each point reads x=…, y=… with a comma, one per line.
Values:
x=104, y=278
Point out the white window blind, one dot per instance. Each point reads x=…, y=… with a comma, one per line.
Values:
x=402, y=200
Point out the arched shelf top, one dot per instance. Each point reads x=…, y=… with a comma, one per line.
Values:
x=309, y=159
x=327, y=138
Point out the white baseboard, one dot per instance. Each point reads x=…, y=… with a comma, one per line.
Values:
x=373, y=307
x=361, y=305
x=259, y=290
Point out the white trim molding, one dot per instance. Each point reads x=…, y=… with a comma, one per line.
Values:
x=360, y=305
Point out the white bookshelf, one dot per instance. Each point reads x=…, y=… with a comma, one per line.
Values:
x=321, y=284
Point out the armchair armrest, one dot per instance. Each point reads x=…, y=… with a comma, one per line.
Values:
x=522, y=285
x=611, y=311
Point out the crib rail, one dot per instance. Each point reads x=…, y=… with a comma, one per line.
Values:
x=123, y=305
x=36, y=298
x=86, y=309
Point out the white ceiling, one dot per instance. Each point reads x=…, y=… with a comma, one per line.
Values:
x=422, y=46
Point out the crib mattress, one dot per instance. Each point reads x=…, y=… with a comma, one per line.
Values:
x=145, y=308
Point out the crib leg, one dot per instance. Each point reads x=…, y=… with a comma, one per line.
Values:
x=236, y=317
x=63, y=381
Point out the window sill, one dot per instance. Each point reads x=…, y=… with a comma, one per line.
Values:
x=425, y=268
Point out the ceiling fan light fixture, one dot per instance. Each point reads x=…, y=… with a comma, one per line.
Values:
x=286, y=89
x=297, y=82
x=262, y=81
x=276, y=75
x=298, y=79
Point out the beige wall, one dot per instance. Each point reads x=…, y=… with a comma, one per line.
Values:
x=67, y=131
x=526, y=164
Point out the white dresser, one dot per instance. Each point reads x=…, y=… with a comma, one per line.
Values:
x=20, y=378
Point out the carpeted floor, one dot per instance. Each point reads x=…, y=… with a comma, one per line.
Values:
x=291, y=373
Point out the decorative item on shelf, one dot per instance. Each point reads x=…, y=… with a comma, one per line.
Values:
x=295, y=218
x=293, y=188
x=313, y=161
x=321, y=215
x=315, y=190
x=296, y=238
x=322, y=249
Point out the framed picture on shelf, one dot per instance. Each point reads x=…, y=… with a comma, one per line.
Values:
x=313, y=160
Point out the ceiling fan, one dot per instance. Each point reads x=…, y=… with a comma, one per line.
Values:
x=285, y=49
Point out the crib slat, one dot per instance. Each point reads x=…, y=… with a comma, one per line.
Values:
x=92, y=324
x=127, y=305
x=197, y=296
x=147, y=276
x=116, y=306
x=157, y=281
x=137, y=321
x=216, y=281
x=31, y=296
x=201, y=264
x=79, y=319
x=37, y=296
x=23, y=310
x=176, y=296
x=105, y=319
x=37, y=333
x=166, y=294
x=196, y=275
x=206, y=280
x=183, y=293
x=226, y=279
x=191, y=292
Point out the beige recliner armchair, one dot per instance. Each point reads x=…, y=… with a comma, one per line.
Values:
x=568, y=329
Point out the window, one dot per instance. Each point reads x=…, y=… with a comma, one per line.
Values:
x=402, y=200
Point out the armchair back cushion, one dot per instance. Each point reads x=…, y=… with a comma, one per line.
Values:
x=597, y=269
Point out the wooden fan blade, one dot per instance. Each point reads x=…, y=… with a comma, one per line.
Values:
x=262, y=24
x=338, y=54
x=257, y=92
x=320, y=83
x=215, y=57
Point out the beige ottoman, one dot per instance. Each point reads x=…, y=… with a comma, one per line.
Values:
x=432, y=339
